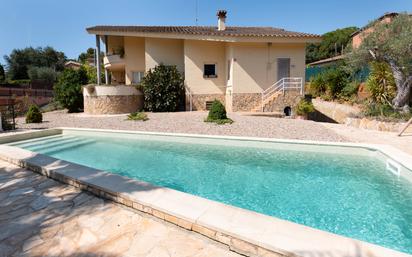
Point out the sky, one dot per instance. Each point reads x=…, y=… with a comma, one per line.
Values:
x=61, y=23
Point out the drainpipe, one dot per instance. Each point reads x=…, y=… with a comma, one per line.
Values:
x=98, y=59
x=106, y=72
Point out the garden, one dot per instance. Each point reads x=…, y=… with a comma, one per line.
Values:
x=386, y=56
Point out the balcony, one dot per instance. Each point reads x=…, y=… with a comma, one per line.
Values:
x=113, y=62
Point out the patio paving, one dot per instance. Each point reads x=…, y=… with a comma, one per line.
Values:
x=42, y=217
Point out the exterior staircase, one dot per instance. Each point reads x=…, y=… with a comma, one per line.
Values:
x=270, y=95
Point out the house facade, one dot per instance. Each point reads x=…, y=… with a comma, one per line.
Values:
x=358, y=36
x=235, y=65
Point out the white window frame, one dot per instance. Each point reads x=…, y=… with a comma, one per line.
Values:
x=140, y=75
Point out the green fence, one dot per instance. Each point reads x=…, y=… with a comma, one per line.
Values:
x=311, y=72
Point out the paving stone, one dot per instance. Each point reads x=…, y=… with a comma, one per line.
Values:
x=42, y=217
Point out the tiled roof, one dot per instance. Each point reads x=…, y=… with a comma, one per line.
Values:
x=204, y=31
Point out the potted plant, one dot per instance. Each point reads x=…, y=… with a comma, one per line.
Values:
x=303, y=108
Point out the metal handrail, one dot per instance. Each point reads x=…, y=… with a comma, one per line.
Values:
x=282, y=85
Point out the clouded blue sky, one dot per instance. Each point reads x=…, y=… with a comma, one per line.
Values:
x=61, y=23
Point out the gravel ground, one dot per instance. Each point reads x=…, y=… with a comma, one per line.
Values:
x=192, y=122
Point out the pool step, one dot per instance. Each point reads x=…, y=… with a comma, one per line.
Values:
x=55, y=149
x=43, y=148
x=44, y=141
x=41, y=145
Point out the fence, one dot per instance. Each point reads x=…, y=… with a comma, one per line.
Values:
x=16, y=92
x=311, y=72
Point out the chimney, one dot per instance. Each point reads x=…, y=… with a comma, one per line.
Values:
x=221, y=14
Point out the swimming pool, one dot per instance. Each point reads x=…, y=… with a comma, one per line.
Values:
x=344, y=190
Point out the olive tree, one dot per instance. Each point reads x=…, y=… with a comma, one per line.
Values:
x=390, y=43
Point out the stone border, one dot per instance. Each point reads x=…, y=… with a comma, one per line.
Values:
x=373, y=124
x=244, y=231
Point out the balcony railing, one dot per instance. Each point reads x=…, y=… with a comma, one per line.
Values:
x=113, y=62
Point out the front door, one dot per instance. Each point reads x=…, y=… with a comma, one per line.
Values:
x=283, y=68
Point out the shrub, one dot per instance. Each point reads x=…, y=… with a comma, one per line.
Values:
x=381, y=83
x=163, y=87
x=217, y=114
x=384, y=112
x=68, y=90
x=304, y=107
x=336, y=79
x=350, y=89
x=317, y=85
x=330, y=82
x=138, y=116
x=92, y=74
x=34, y=115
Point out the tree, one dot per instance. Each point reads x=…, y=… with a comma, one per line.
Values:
x=332, y=41
x=163, y=87
x=68, y=90
x=20, y=60
x=390, y=43
x=2, y=73
x=89, y=54
x=43, y=73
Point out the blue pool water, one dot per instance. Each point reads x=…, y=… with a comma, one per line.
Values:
x=348, y=194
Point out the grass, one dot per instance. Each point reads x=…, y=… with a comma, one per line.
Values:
x=138, y=116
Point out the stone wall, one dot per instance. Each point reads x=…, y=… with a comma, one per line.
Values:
x=199, y=101
x=112, y=99
x=335, y=111
x=372, y=124
x=112, y=104
x=245, y=102
x=288, y=99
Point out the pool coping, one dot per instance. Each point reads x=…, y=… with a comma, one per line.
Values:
x=244, y=231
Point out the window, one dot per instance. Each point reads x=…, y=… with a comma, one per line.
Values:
x=137, y=77
x=209, y=71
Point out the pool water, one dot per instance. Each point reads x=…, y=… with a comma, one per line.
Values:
x=346, y=192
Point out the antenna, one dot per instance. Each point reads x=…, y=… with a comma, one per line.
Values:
x=197, y=5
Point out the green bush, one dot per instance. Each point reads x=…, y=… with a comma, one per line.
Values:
x=217, y=113
x=68, y=89
x=138, y=116
x=163, y=88
x=34, y=115
x=350, y=89
x=317, y=85
x=304, y=107
x=331, y=82
x=336, y=79
x=384, y=112
x=381, y=83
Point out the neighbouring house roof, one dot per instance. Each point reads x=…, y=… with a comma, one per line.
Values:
x=238, y=32
x=72, y=63
x=327, y=60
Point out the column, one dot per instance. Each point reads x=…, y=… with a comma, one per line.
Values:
x=98, y=59
x=106, y=72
